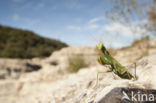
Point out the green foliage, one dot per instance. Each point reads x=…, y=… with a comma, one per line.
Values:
x=76, y=63
x=16, y=43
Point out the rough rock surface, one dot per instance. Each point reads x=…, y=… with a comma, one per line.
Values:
x=14, y=68
x=129, y=95
x=52, y=84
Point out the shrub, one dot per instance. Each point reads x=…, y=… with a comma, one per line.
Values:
x=140, y=41
x=17, y=43
x=76, y=63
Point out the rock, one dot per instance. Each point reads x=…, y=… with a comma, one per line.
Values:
x=89, y=54
x=14, y=68
x=129, y=95
x=51, y=83
x=32, y=67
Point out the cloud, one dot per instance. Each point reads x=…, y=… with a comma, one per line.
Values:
x=90, y=25
x=94, y=20
x=16, y=17
x=110, y=40
x=112, y=34
x=122, y=30
x=115, y=34
x=78, y=20
x=74, y=28
x=83, y=28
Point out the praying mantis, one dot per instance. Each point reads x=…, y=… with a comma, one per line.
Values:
x=116, y=67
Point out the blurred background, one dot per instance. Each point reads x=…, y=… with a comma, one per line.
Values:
x=82, y=22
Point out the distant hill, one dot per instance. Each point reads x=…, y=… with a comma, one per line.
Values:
x=17, y=43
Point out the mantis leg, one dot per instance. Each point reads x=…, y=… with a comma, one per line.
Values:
x=103, y=61
x=97, y=78
x=135, y=70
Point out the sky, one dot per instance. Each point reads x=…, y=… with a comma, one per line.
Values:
x=75, y=22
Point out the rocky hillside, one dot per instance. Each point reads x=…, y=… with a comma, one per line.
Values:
x=17, y=43
x=51, y=83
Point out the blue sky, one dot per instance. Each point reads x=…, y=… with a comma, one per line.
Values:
x=76, y=22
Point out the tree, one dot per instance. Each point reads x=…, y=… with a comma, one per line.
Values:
x=139, y=15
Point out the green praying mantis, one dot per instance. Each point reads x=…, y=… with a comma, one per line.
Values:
x=116, y=67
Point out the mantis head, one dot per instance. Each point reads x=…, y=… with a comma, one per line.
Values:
x=100, y=46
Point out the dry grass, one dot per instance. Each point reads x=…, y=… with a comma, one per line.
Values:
x=76, y=63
